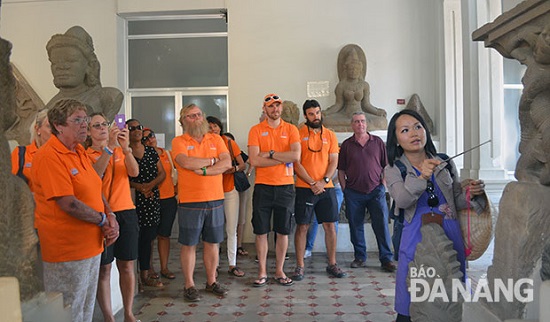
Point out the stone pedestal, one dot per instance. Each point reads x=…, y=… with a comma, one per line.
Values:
x=10, y=307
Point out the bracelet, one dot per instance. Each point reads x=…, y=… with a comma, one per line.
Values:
x=108, y=151
x=103, y=219
x=313, y=183
x=203, y=171
x=112, y=214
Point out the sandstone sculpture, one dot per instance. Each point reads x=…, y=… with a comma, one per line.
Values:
x=290, y=113
x=416, y=105
x=353, y=93
x=18, y=250
x=75, y=70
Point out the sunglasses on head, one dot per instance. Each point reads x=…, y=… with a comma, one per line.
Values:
x=137, y=127
x=269, y=98
x=433, y=200
x=98, y=126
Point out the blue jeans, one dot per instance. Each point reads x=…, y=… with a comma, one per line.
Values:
x=312, y=231
x=375, y=203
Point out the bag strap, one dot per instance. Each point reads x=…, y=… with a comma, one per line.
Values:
x=21, y=154
x=170, y=159
x=231, y=150
x=403, y=171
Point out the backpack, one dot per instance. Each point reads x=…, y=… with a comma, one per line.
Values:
x=21, y=151
x=398, y=220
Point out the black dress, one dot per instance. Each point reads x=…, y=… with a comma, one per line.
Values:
x=148, y=209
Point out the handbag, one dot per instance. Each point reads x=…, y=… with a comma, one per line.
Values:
x=240, y=178
x=173, y=168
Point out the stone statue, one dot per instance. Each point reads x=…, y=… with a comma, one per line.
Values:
x=75, y=70
x=28, y=104
x=291, y=113
x=416, y=105
x=532, y=48
x=18, y=240
x=353, y=93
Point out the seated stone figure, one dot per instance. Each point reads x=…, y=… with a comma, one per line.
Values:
x=353, y=93
x=75, y=70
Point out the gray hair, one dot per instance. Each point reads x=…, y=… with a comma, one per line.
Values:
x=37, y=122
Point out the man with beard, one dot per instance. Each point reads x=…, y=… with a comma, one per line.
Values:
x=361, y=165
x=200, y=158
x=273, y=147
x=315, y=195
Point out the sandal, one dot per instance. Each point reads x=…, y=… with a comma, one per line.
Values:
x=236, y=271
x=167, y=274
x=152, y=274
x=241, y=251
x=262, y=281
x=284, y=281
x=152, y=282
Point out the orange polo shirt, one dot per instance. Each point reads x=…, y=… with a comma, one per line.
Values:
x=316, y=163
x=279, y=140
x=30, y=151
x=193, y=187
x=59, y=172
x=228, y=179
x=166, y=187
x=116, y=188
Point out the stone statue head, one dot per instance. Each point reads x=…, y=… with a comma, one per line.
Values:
x=352, y=63
x=541, y=51
x=73, y=60
x=290, y=113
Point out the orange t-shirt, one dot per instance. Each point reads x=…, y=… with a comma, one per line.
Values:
x=30, y=151
x=198, y=188
x=316, y=163
x=228, y=179
x=279, y=140
x=166, y=187
x=116, y=189
x=59, y=172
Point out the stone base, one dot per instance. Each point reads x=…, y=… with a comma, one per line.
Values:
x=476, y=312
x=10, y=307
x=46, y=307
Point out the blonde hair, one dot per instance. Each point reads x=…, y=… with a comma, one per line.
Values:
x=41, y=116
x=184, y=111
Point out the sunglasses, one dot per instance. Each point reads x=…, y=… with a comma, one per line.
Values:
x=148, y=136
x=308, y=140
x=269, y=98
x=98, y=126
x=137, y=127
x=433, y=200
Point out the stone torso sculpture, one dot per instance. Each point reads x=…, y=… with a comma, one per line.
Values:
x=75, y=70
x=353, y=93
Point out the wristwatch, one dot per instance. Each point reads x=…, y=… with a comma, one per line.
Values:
x=327, y=179
x=271, y=152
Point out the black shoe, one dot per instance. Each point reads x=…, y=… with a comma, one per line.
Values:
x=191, y=294
x=335, y=271
x=358, y=263
x=298, y=273
x=389, y=267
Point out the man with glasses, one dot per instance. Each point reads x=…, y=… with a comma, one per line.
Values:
x=315, y=195
x=273, y=147
x=360, y=171
x=200, y=158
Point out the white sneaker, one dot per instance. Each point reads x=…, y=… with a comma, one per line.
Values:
x=307, y=254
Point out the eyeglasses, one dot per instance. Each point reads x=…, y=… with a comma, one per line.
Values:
x=137, y=127
x=269, y=98
x=98, y=126
x=149, y=136
x=194, y=116
x=433, y=200
x=309, y=139
x=80, y=120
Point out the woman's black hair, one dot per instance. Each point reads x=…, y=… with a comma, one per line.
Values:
x=395, y=151
x=215, y=120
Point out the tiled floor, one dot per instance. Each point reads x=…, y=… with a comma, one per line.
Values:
x=366, y=294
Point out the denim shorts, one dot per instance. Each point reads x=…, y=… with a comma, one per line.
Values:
x=201, y=218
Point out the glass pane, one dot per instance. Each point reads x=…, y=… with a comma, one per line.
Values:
x=211, y=105
x=190, y=62
x=155, y=27
x=156, y=113
x=513, y=71
x=511, y=131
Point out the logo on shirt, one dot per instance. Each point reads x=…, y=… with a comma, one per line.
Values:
x=305, y=138
x=265, y=133
x=190, y=147
x=74, y=171
x=28, y=164
x=212, y=146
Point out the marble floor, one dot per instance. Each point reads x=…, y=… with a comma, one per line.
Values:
x=366, y=294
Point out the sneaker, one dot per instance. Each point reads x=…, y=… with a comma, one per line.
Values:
x=336, y=271
x=307, y=254
x=217, y=289
x=191, y=294
x=286, y=256
x=298, y=273
x=389, y=267
x=358, y=263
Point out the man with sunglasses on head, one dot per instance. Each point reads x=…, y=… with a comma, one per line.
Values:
x=200, y=158
x=315, y=195
x=273, y=147
x=361, y=165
